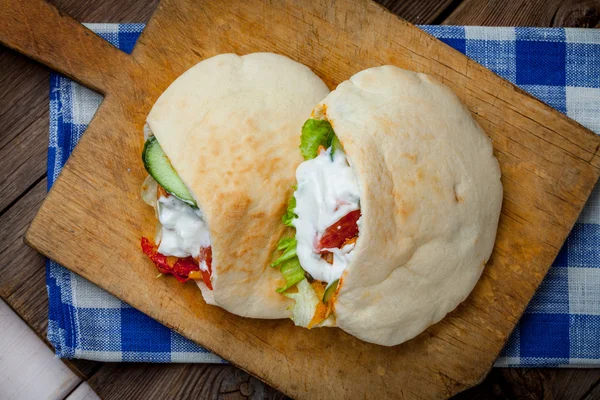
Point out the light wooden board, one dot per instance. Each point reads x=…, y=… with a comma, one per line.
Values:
x=92, y=220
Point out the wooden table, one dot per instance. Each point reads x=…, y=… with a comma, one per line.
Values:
x=23, y=145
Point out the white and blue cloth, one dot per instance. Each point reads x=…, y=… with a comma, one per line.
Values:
x=561, y=326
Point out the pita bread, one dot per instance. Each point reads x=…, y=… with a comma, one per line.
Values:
x=229, y=126
x=430, y=202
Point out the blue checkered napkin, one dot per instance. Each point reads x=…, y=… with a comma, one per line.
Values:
x=561, y=325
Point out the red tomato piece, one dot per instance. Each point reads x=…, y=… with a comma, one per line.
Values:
x=206, y=255
x=335, y=236
x=180, y=268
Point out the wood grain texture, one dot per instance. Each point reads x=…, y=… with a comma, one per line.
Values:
x=24, y=122
x=593, y=393
x=40, y=31
x=21, y=81
x=549, y=166
x=114, y=11
x=18, y=262
x=570, y=13
x=532, y=384
x=420, y=12
x=179, y=381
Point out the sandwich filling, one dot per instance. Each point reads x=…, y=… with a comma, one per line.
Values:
x=181, y=246
x=325, y=211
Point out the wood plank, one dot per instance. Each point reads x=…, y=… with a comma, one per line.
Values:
x=24, y=118
x=562, y=383
x=28, y=300
x=544, y=13
x=593, y=393
x=24, y=158
x=415, y=11
x=108, y=10
x=178, y=381
x=18, y=262
x=578, y=14
x=24, y=86
x=525, y=383
x=420, y=12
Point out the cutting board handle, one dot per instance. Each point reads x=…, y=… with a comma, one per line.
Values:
x=42, y=32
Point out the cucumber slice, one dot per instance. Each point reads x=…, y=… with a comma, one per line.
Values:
x=330, y=290
x=158, y=165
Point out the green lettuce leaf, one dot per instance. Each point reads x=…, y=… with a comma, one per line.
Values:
x=288, y=263
x=286, y=243
x=315, y=132
x=288, y=246
x=336, y=145
x=290, y=215
x=292, y=273
x=306, y=303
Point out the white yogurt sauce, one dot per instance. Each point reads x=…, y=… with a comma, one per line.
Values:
x=327, y=191
x=184, y=231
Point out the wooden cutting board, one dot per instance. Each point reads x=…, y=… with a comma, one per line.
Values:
x=93, y=218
